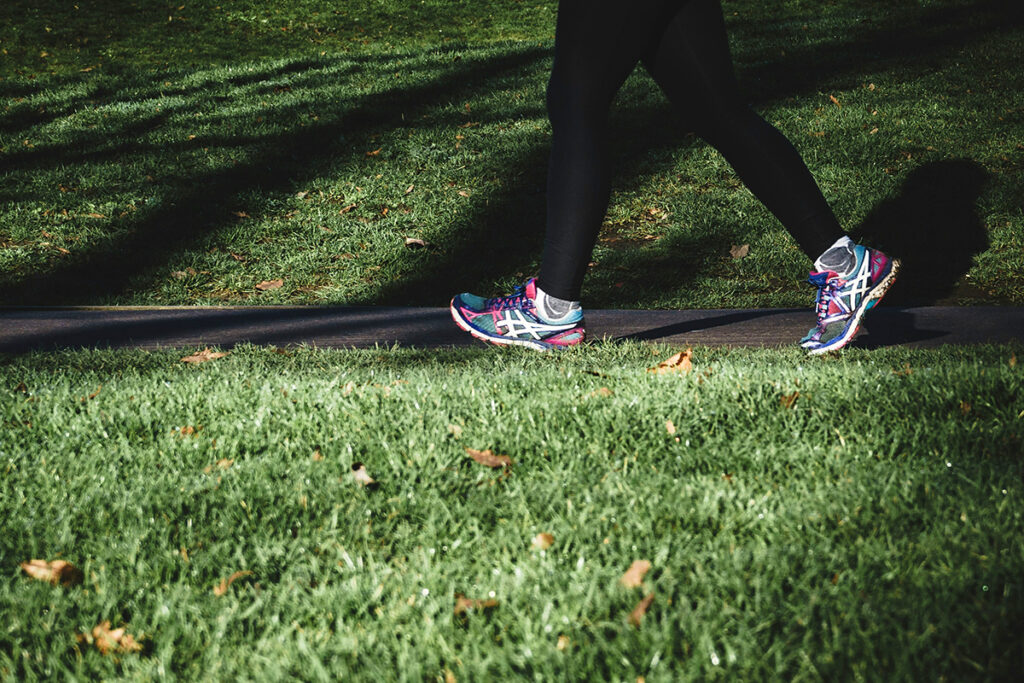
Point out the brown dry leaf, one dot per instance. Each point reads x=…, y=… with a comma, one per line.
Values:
x=634, y=576
x=542, y=541
x=317, y=455
x=55, y=571
x=464, y=604
x=408, y=189
x=240, y=214
x=222, y=587
x=360, y=475
x=267, y=285
x=835, y=101
x=203, y=356
x=188, y=430
x=739, y=251
x=301, y=195
x=463, y=193
x=109, y=640
x=455, y=431
x=637, y=615
x=680, y=362
x=563, y=642
x=905, y=372
x=93, y=394
x=95, y=215
x=602, y=392
x=489, y=459
x=787, y=400
x=374, y=152
x=965, y=407
x=670, y=427
x=449, y=677
x=416, y=243
x=1013, y=360
x=222, y=464
x=22, y=388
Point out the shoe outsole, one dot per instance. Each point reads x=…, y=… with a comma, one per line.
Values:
x=465, y=325
x=851, y=330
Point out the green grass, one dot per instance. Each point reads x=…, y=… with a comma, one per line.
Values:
x=165, y=156
x=871, y=530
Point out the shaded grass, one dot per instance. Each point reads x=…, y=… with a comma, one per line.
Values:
x=872, y=529
x=163, y=176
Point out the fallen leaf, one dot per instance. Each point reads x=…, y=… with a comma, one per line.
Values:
x=1013, y=360
x=360, y=475
x=374, y=152
x=240, y=214
x=301, y=195
x=22, y=388
x=408, y=189
x=317, y=455
x=965, y=407
x=222, y=464
x=670, y=427
x=463, y=193
x=680, y=362
x=634, y=576
x=449, y=677
x=95, y=215
x=55, y=571
x=739, y=251
x=268, y=285
x=542, y=541
x=188, y=430
x=787, y=400
x=905, y=372
x=348, y=208
x=348, y=388
x=563, y=642
x=873, y=131
x=203, y=356
x=222, y=587
x=416, y=242
x=93, y=394
x=455, y=431
x=637, y=615
x=602, y=392
x=464, y=604
x=835, y=101
x=109, y=640
x=489, y=459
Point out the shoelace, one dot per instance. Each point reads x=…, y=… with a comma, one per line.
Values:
x=828, y=289
x=517, y=299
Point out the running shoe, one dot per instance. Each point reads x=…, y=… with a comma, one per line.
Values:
x=515, y=320
x=842, y=301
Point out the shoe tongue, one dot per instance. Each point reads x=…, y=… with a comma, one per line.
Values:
x=821, y=278
x=531, y=288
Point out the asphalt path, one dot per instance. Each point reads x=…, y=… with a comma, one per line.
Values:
x=27, y=329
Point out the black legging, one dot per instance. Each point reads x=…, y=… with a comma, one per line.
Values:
x=682, y=44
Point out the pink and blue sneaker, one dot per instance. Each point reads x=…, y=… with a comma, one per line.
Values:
x=843, y=299
x=517, y=319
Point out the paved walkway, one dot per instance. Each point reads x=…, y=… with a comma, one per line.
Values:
x=346, y=327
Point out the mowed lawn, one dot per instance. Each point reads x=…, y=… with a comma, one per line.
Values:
x=851, y=517
x=804, y=519
x=185, y=154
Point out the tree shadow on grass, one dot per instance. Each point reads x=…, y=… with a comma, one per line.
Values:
x=501, y=234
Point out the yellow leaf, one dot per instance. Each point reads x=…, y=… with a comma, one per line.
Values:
x=55, y=571
x=203, y=356
x=542, y=541
x=634, y=576
x=680, y=362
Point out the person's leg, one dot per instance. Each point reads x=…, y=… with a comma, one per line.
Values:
x=691, y=63
x=597, y=44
